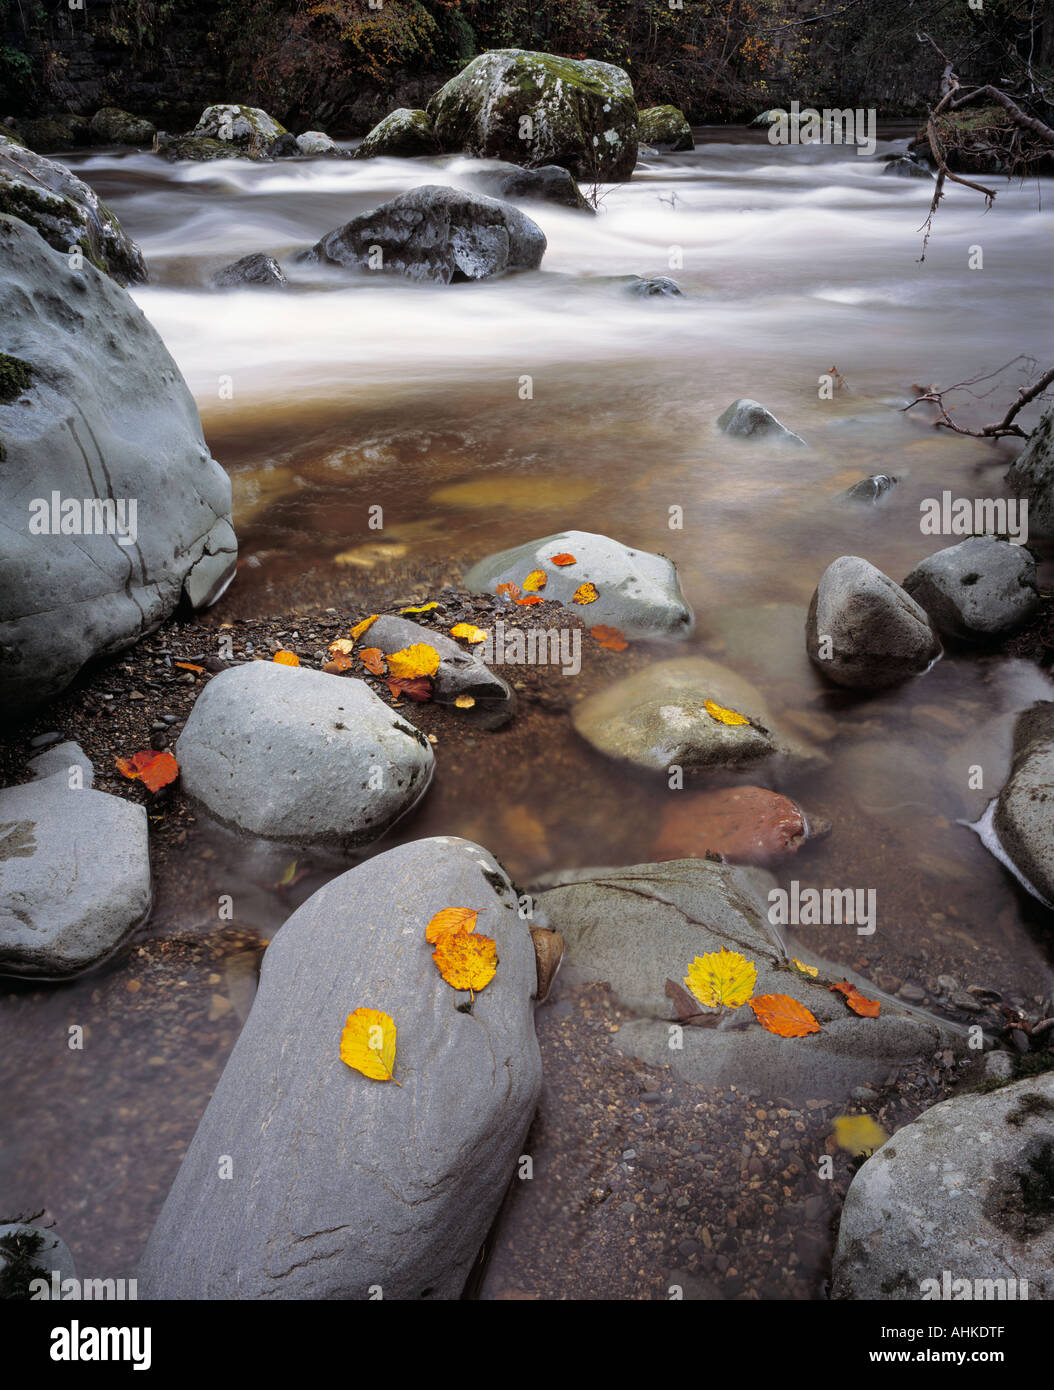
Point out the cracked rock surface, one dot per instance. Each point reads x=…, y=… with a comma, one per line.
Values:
x=99, y=412
x=340, y=1183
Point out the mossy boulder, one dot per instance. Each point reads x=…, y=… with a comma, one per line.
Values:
x=45, y=134
x=971, y=139
x=112, y=126
x=66, y=213
x=198, y=148
x=16, y=377
x=537, y=108
x=401, y=135
x=665, y=128
x=249, y=129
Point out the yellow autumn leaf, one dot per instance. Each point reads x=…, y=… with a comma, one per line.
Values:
x=535, y=580
x=420, y=608
x=468, y=632
x=722, y=979
x=451, y=919
x=360, y=628
x=466, y=960
x=465, y=701
x=341, y=647
x=723, y=716
x=860, y=1134
x=585, y=593
x=411, y=662
x=805, y=969
x=368, y=1044
x=286, y=658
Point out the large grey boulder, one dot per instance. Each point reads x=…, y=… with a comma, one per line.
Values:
x=246, y=128
x=1031, y=476
x=980, y=588
x=638, y=926
x=112, y=126
x=460, y=671
x=341, y=1184
x=540, y=108
x=97, y=410
x=965, y=1193
x=403, y=134
x=666, y=129
x=637, y=592
x=66, y=213
x=1022, y=817
x=317, y=145
x=658, y=718
x=74, y=869
x=435, y=233
x=747, y=419
x=299, y=757
x=864, y=631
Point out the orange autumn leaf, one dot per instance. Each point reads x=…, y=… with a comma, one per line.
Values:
x=784, y=1016
x=722, y=715
x=338, y=664
x=585, y=593
x=609, y=637
x=528, y=601
x=866, y=1008
x=154, y=770
x=537, y=579
x=360, y=628
x=466, y=960
x=563, y=559
x=373, y=659
x=188, y=666
x=417, y=660
x=451, y=919
x=286, y=659
x=417, y=688
x=508, y=590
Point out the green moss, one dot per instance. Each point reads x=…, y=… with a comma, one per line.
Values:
x=16, y=377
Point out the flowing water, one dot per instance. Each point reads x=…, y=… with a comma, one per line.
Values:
x=343, y=393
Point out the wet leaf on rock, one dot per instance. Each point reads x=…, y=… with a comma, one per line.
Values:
x=451, y=919
x=609, y=637
x=367, y=1044
x=722, y=715
x=784, y=1016
x=414, y=661
x=585, y=593
x=466, y=960
x=537, y=579
x=859, y=1003
x=722, y=979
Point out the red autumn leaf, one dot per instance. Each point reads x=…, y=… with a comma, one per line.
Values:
x=417, y=688
x=563, y=559
x=866, y=1008
x=528, y=601
x=609, y=637
x=373, y=659
x=782, y=1015
x=154, y=770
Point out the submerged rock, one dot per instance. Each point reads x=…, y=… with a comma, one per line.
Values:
x=665, y=129
x=403, y=134
x=435, y=233
x=864, y=631
x=658, y=718
x=112, y=126
x=66, y=213
x=302, y=758
x=255, y=269
x=96, y=409
x=978, y=589
x=342, y=1186
x=539, y=108
x=197, y=148
x=637, y=592
x=549, y=184
x=744, y=825
x=959, y=1204
x=905, y=166
x=1031, y=475
x=872, y=489
x=74, y=869
x=749, y=419
x=636, y=927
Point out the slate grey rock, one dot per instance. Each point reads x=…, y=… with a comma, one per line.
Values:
x=74, y=875
x=634, y=927
x=747, y=419
x=872, y=489
x=878, y=635
x=653, y=287
x=968, y=1188
x=104, y=414
x=657, y=718
x=31, y=1252
x=582, y=113
x=1031, y=476
x=200, y=149
x=402, y=134
x=666, y=129
x=978, y=589
x=287, y=754
x=318, y=145
x=639, y=593
x=246, y=128
x=435, y=233
x=66, y=213
x=254, y=269
x=112, y=126
x=904, y=167
x=340, y=1183
x=62, y=758
x=1023, y=814
x=548, y=184
x=460, y=671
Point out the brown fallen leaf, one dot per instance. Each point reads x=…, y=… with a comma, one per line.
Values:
x=419, y=688
x=686, y=1007
x=338, y=664
x=784, y=1016
x=154, y=770
x=373, y=659
x=609, y=637
x=859, y=1003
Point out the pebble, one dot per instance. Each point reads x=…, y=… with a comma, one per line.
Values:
x=947, y=984
x=42, y=740
x=912, y=993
